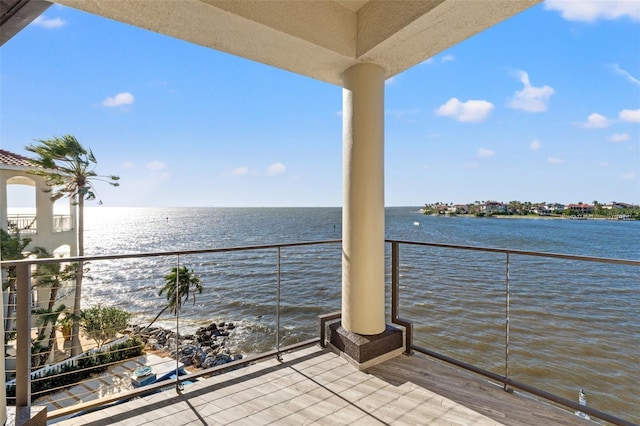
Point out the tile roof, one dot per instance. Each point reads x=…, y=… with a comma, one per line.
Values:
x=11, y=159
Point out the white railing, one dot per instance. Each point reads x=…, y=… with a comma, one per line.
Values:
x=28, y=224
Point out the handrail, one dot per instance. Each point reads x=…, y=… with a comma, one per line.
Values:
x=505, y=380
x=527, y=388
x=522, y=252
x=24, y=375
x=161, y=253
x=23, y=266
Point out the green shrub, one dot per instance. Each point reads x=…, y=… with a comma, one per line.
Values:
x=87, y=366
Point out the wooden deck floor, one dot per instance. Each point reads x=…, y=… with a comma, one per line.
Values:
x=314, y=386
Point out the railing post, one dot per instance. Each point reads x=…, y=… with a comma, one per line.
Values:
x=23, y=335
x=278, y=307
x=395, y=298
x=506, y=331
x=395, y=279
x=178, y=306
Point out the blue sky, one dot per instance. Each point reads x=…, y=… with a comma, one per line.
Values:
x=542, y=107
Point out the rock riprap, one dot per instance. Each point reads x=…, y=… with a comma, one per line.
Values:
x=206, y=348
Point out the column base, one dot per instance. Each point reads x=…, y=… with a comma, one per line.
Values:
x=35, y=415
x=365, y=351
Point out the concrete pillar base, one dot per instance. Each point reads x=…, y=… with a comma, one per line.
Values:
x=364, y=351
x=36, y=415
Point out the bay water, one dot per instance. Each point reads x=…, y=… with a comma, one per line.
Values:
x=571, y=325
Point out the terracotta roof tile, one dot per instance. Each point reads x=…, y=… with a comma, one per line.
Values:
x=11, y=159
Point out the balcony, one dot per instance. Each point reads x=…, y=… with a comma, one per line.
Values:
x=28, y=224
x=483, y=345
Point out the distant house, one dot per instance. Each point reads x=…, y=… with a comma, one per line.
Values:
x=493, y=207
x=443, y=209
x=555, y=207
x=461, y=209
x=549, y=209
x=580, y=209
x=543, y=211
x=618, y=205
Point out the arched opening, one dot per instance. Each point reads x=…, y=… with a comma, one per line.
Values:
x=21, y=205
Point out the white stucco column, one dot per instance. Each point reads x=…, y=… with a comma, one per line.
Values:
x=363, y=199
x=3, y=391
x=3, y=203
x=44, y=212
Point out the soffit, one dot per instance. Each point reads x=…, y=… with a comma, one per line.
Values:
x=316, y=38
x=17, y=14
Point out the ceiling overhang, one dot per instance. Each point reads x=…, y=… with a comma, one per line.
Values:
x=316, y=38
x=17, y=14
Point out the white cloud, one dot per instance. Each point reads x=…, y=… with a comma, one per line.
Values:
x=427, y=61
x=240, y=171
x=391, y=81
x=448, y=58
x=486, y=153
x=592, y=10
x=535, y=145
x=276, y=169
x=632, y=115
x=530, y=98
x=43, y=22
x=120, y=99
x=472, y=111
x=619, y=137
x=596, y=121
x=628, y=176
x=156, y=165
x=554, y=160
x=128, y=165
x=616, y=68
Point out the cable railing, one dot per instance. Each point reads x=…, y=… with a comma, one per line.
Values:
x=257, y=302
x=519, y=318
x=551, y=325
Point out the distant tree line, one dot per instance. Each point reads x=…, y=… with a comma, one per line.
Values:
x=525, y=208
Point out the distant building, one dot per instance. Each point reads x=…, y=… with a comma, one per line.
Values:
x=54, y=232
x=461, y=209
x=618, y=205
x=493, y=207
x=580, y=209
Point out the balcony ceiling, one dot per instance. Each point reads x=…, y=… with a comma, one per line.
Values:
x=316, y=38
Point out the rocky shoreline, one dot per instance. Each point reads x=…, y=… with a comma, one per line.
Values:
x=207, y=347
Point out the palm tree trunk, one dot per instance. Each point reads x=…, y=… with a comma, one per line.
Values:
x=76, y=347
x=157, y=316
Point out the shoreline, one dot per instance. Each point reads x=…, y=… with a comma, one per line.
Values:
x=532, y=217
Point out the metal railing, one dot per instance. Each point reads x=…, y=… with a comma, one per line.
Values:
x=401, y=317
x=273, y=262
x=409, y=289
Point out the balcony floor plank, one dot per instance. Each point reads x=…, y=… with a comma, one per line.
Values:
x=314, y=386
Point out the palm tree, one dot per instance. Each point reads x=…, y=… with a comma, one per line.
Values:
x=179, y=284
x=12, y=247
x=69, y=170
